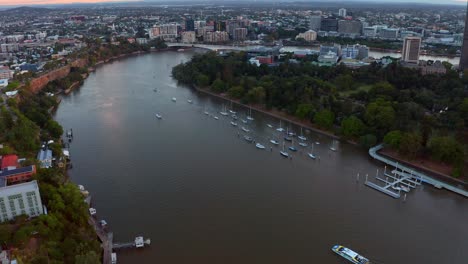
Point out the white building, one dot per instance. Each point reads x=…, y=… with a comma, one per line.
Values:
x=3, y=83
x=309, y=35
x=342, y=12
x=188, y=37
x=23, y=198
x=165, y=31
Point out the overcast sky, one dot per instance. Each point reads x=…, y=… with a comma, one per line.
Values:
x=39, y=2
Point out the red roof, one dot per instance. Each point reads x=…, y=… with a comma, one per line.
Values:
x=10, y=160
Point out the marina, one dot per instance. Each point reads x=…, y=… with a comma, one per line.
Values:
x=195, y=179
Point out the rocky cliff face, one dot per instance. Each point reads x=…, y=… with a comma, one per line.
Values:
x=39, y=83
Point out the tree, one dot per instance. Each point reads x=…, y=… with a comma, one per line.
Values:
x=344, y=82
x=410, y=144
x=380, y=115
x=218, y=86
x=256, y=95
x=324, y=118
x=236, y=92
x=352, y=127
x=393, y=139
x=54, y=128
x=88, y=258
x=446, y=149
x=304, y=111
x=368, y=140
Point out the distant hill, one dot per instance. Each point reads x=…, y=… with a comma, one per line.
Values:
x=27, y=9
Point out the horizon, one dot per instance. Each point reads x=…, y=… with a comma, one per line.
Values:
x=43, y=3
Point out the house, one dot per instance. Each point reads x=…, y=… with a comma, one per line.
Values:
x=3, y=82
x=45, y=158
x=9, y=162
x=18, y=175
x=20, y=199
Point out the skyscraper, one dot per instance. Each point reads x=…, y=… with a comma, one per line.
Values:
x=411, y=46
x=315, y=22
x=464, y=54
x=189, y=25
x=342, y=12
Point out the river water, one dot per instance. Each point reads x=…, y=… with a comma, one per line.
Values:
x=205, y=195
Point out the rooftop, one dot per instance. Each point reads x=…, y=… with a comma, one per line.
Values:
x=17, y=188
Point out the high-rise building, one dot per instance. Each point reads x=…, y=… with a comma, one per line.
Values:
x=23, y=198
x=308, y=36
x=240, y=34
x=329, y=24
x=350, y=27
x=342, y=12
x=166, y=31
x=188, y=37
x=315, y=23
x=189, y=25
x=220, y=26
x=464, y=54
x=411, y=47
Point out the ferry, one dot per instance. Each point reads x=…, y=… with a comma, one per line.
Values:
x=350, y=255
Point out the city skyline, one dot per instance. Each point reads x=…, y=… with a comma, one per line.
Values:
x=61, y=2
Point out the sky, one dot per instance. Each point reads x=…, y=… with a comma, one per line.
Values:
x=48, y=2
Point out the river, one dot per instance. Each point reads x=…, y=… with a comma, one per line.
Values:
x=205, y=195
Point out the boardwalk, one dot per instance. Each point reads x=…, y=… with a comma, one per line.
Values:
x=436, y=183
x=106, y=240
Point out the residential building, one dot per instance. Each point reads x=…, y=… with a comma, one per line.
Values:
x=389, y=33
x=329, y=24
x=464, y=50
x=342, y=12
x=219, y=26
x=9, y=48
x=410, y=51
x=189, y=25
x=363, y=52
x=188, y=37
x=216, y=37
x=308, y=36
x=45, y=157
x=165, y=31
x=142, y=41
x=268, y=59
x=369, y=32
x=9, y=162
x=353, y=27
x=240, y=34
x=20, y=199
x=315, y=23
x=17, y=175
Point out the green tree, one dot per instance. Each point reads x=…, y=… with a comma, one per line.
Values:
x=368, y=140
x=380, y=115
x=203, y=80
x=393, y=139
x=54, y=128
x=446, y=149
x=324, y=118
x=352, y=127
x=218, y=86
x=410, y=144
x=256, y=95
x=236, y=92
x=88, y=258
x=344, y=82
x=304, y=111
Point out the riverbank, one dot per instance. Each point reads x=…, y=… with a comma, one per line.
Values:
x=274, y=113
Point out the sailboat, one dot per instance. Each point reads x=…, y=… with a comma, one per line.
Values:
x=284, y=153
x=249, y=117
x=292, y=148
x=311, y=153
x=301, y=137
x=223, y=112
x=270, y=126
x=232, y=111
x=333, y=146
x=215, y=117
x=244, y=121
x=245, y=129
x=234, y=117
x=248, y=139
x=174, y=99
x=274, y=142
x=302, y=144
x=280, y=129
x=190, y=101
x=158, y=116
x=233, y=123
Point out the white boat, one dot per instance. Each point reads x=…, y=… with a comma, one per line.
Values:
x=284, y=153
x=274, y=142
x=244, y=121
x=232, y=111
x=158, y=116
x=270, y=126
x=259, y=146
x=206, y=113
x=280, y=129
x=249, y=117
x=103, y=223
x=81, y=187
x=190, y=101
x=215, y=117
x=317, y=143
x=139, y=242
x=248, y=139
x=301, y=137
x=92, y=211
x=114, y=258
x=245, y=129
x=311, y=153
x=174, y=99
x=234, y=117
x=223, y=112
x=350, y=255
x=333, y=146
x=302, y=144
x=233, y=123
x=180, y=50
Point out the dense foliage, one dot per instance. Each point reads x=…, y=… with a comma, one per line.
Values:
x=362, y=104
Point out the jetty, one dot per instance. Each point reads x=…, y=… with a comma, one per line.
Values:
x=406, y=176
x=107, y=238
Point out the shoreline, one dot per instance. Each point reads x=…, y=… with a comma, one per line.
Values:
x=276, y=114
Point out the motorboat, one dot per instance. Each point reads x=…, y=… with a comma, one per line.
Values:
x=248, y=139
x=350, y=255
x=215, y=117
x=292, y=148
x=233, y=123
x=288, y=138
x=245, y=129
x=274, y=142
x=103, y=223
x=190, y=101
x=302, y=144
x=270, y=126
x=174, y=99
x=259, y=146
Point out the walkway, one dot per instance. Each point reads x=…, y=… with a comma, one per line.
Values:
x=436, y=183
